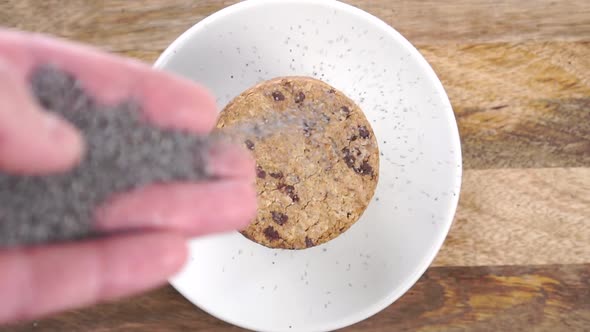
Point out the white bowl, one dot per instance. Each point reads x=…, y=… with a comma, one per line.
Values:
x=372, y=264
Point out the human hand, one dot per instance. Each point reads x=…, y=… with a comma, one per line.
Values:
x=36, y=281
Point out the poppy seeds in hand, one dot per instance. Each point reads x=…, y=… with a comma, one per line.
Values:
x=123, y=152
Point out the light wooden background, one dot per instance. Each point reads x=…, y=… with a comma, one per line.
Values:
x=518, y=75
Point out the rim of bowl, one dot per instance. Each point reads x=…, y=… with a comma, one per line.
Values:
x=427, y=260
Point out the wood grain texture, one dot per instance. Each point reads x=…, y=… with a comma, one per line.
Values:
x=526, y=298
x=519, y=105
x=149, y=25
x=482, y=21
x=521, y=217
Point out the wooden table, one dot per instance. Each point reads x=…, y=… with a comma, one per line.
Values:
x=518, y=75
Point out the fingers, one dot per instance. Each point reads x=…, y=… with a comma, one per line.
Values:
x=43, y=280
x=167, y=100
x=32, y=141
x=231, y=161
x=189, y=208
x=193, y=209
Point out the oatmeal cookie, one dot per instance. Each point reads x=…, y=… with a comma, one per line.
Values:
x=317, y=172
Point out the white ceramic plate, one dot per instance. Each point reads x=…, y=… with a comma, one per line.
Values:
x=389, y=248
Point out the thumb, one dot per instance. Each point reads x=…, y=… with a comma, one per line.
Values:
x=32, y=141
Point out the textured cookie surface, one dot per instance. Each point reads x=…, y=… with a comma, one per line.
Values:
x=317, y=174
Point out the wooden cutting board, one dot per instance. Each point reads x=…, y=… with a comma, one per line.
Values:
x=518, y=75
